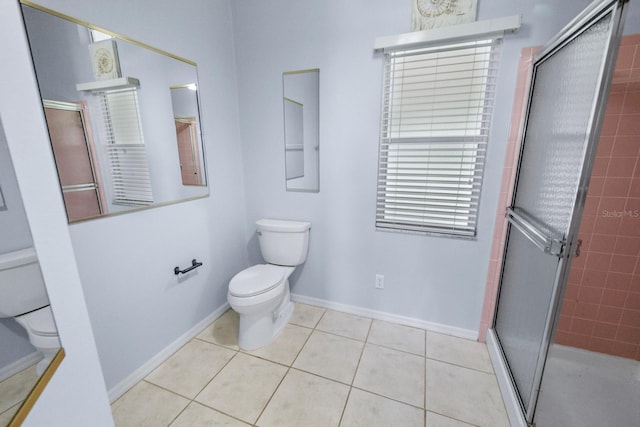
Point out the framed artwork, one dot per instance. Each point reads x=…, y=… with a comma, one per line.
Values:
x=429, y=14
x=104, y=59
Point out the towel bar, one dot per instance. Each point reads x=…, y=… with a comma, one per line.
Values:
x=194, y=264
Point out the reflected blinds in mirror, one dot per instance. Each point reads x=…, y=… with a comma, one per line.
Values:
x=124, y=144
x=436, y=114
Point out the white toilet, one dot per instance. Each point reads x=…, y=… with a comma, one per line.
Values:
x=260, y=294
x=23, y=296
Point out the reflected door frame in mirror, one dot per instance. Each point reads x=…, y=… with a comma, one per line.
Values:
x=186, y=116
x=301, y=121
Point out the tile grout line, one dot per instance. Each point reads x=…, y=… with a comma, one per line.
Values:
x=221, y=412
x=289, y=367
x=452, y=418
x=462, y=366
x=389, y=398
x=192, y=400
x=424, y=400
x=355, y=372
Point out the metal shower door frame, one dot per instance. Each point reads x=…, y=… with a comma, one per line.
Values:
x=561, y=247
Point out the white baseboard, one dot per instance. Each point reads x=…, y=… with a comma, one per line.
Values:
x=507, y=389
x=20, y=365
x=387, y=317
x=151, y=364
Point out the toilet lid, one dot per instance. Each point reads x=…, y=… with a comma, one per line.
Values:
x=255, y=280
x=41, y=321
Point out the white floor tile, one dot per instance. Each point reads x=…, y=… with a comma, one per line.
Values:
x=197, y=415
x=464, y=394
x=436, y=420
x=392, y=373
x=305, y=400
x=459, y=351
x=16, y=388
x=243, y=387
x=398, y=337
x=369, y=410
x=346, y=325
x=286, y=346
x=235, y=388
x=306, y=315
x=7, y=415
x=330, y=356
x=147, y=405
x=224, y=331
x=190, y=369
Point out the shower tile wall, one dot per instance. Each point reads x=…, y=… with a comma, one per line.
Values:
x=601, y=308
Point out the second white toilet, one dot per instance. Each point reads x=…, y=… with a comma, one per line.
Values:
x=260, y=294
x=24, y=297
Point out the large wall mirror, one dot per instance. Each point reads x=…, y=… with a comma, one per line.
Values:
x=301, y=92
x=123, y=117
x=29, y=345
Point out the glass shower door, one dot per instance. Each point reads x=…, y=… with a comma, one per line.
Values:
x=565, y=108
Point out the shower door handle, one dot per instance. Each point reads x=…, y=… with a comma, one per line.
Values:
x=578, y=245
x=547, y=244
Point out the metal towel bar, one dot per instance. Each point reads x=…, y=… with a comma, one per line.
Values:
x=194, y=264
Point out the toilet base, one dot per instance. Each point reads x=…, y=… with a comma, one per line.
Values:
x=257, y=330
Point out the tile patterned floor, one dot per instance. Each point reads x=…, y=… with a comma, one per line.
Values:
x=326, y=368
x=13, y=391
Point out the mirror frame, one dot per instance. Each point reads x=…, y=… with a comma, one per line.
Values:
x=36, y=391
x=124, y=38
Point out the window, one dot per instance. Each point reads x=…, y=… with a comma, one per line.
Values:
x=436, y=113
x=124, y=144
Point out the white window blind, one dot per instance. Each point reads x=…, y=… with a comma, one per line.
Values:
x=436, y=114
x=125, y=149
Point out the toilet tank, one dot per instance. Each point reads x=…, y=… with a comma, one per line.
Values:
x=283, y=242
x=21, y=284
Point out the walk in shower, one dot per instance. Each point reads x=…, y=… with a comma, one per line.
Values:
x=592, y=374
x=560, y=262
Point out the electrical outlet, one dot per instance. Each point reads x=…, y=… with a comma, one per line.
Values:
x=379, y=281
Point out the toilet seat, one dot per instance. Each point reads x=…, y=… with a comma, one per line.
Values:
x=256, y=280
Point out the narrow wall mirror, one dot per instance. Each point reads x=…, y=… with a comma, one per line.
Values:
x=301, y=106
x=29, y=342
x=184, y=102
x=123, y=117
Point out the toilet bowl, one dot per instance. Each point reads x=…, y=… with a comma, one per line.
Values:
x=24, y=297
x=43, y=334
x=260, y=294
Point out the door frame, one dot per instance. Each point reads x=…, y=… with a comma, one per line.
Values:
x=82, y=108
x=518, y=415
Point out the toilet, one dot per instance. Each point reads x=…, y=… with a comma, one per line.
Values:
x=260, y=294
x=23, y=296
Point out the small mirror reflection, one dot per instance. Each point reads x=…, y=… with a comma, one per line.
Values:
x=184, y=101
x=302, y=129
